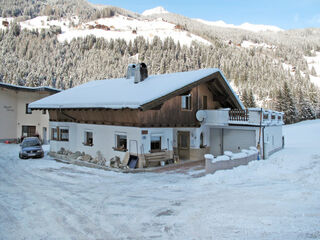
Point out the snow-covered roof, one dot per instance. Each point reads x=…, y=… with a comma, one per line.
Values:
x=29, y=89
x=124, y=93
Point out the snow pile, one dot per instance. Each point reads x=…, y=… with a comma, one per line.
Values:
x=244, y=26
x=276, y=198
x=156, y=10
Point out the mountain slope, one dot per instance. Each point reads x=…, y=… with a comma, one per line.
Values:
x=244, y=26
x=258, y=64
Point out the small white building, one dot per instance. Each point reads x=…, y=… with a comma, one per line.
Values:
x=16, y=118
x=180, y=115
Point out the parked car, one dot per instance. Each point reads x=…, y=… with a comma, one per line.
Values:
x=31, y=147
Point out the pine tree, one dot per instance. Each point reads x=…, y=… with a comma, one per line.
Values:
x=289, y=105
x=306, y=110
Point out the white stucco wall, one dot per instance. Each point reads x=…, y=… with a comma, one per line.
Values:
x=272, y=138
x=104, y=139
x=37, y=118
x=8, y=114
x=194, y=136
x=13, y=113
x=166, y=138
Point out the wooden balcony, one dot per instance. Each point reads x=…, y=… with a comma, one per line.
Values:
x=239, y=115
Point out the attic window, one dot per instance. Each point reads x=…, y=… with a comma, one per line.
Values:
x=186, y=102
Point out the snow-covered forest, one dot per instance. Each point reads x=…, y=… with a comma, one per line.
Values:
x=267, y=69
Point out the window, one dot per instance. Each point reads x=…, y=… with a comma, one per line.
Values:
x=44, y=111
x=88, y=138
x=201, y=141
x=54, y=134
x=155, y=143
x=64, y=134
x=186, y=102
x=121, y=142
x=265, y=116
x=204, y=102
x=28, y=131
x=28, y=110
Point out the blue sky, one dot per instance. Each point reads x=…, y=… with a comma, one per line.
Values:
x=286, y=14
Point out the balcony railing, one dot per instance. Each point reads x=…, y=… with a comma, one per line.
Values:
x=252, y=116
x=239, y=115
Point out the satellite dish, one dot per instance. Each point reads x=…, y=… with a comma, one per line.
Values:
x=201, y=115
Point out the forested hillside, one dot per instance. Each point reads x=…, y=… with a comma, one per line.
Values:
x=260, y=74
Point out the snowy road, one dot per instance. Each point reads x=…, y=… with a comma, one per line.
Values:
x=274, y=199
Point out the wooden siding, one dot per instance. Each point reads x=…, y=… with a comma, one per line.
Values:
x=166, y=114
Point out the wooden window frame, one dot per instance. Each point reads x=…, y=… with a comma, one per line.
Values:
x=87, y=141
x=61, y=130
x=159, y=142
x=117, y=142
x=204, y=102
x=52, y=134
x=187, y=102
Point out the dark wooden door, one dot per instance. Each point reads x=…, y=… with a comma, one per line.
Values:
x=184, y=145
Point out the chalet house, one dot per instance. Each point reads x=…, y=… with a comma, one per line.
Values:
x=16, y=118
x=180, y=115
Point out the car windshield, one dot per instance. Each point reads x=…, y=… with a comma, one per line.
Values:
x=31, y=143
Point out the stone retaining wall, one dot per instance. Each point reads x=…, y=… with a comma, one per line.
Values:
x=229, y=160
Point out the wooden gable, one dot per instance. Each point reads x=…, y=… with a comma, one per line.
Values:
x=164, y=112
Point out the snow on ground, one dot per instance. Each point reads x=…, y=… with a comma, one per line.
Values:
x=2, y=20
x=156, y=10
x=249, y=44
x=118, y=27
x=274, y=199
x=244, y=26
x=314, y=62
x=43, y=22
x=315, y=80
x=129, y=28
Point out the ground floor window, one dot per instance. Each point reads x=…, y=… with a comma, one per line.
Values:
x=155, y=143
x=64, y=134
x=88, y=138
x=121, y=142
x=28, y=131
x=54, y=134
x=201, y=141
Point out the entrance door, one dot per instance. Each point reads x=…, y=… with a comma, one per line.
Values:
x=184, y=145
x=216, y=141
x=44, y=135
